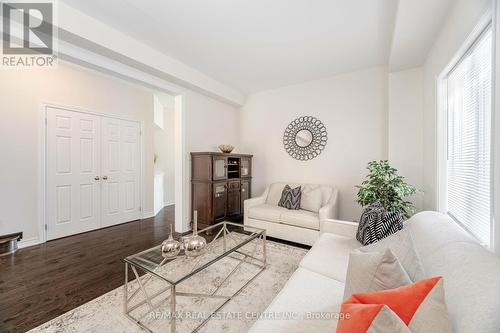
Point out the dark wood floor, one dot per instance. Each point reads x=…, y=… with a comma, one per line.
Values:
x=44, y=281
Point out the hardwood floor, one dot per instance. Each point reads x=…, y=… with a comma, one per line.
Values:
x=44, y=281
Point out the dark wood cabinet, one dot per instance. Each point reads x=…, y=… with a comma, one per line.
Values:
x=220, y=183
x=233, y=198
x=219, y=201
x=244, y=192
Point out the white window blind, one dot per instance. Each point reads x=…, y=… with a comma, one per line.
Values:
x=468, y=194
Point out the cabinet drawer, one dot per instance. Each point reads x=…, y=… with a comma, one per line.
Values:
x=233, y=185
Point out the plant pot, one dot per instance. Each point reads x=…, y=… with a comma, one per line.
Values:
x=377, y=223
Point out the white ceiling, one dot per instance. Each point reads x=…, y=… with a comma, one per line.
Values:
x=262, y=44
x=417, y=24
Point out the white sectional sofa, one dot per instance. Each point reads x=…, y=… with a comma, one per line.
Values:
x=300, y=226
x=471, y=278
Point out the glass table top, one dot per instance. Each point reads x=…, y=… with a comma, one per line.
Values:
x=222, y=239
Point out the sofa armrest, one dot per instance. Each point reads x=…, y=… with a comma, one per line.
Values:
x=330, y=210
x=260, y=200
x=338, y=227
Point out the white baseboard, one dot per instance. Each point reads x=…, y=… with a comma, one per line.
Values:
x=169, y=204
x=147, y=215
x=28, y=242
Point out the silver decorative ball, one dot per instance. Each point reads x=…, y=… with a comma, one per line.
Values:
x=194, y=245
x=170, y=247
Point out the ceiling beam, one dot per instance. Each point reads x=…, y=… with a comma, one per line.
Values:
x=84, y=31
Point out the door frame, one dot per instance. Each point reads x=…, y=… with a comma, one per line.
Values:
x=42, y=159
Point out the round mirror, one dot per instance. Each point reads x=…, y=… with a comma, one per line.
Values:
x=303, y=138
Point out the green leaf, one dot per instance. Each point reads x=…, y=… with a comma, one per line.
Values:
x=384, y=185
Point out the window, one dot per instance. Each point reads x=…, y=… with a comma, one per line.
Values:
x=468, y=166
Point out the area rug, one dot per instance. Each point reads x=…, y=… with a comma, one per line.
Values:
x=105, y=313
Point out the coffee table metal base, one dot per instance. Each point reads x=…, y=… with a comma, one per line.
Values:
x=261, y=263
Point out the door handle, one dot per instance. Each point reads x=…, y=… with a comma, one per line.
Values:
x=105, y=177
x=96, y=178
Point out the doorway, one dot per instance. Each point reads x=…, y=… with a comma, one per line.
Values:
x=164, y=151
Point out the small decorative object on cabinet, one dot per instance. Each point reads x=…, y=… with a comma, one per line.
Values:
x=220, y=183
x=226, y=149
x=170, y=247
x=194, y=244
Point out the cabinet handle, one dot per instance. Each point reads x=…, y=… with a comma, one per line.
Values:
x=105, y=177
x=96, y=178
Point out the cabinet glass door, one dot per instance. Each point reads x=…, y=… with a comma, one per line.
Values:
x=219, y=201
x=245, y=167
x=245, y=194
x=233, y=198
x=220, y=167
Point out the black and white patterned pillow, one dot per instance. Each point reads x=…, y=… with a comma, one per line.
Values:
x=376, y=223
x=290, y=198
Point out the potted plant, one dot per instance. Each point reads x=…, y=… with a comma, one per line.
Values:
x=383, y=194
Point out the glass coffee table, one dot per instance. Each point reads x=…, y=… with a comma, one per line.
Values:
x=159, y=286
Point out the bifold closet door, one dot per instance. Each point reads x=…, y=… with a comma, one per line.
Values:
x=120, y=171
x=73, y=171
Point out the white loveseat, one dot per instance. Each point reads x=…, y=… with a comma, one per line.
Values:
x=471, y=278
x=300, y=226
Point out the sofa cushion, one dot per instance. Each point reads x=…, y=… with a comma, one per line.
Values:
x=472, y=285
x=421, y=306
x=311, y=199
x=370, y=318
x=444, y=231
x=266, y=212
x=274, y=195
x=329, y=256
x=401, y=244
x=300, y=218
x=471, y=273
x=374, y=271
x=290, y=198
x=305, y=292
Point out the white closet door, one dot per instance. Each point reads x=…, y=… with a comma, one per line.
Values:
x=73, y=186
x=120, y=171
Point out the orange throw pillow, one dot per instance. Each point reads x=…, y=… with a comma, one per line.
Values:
x=420, y=307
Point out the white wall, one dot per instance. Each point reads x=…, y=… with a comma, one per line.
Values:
x=461, y=20
x=208, y=123
x=168, y=158
x=405, y=132
x=23, y=91
x=164, y=142
x=353, y=108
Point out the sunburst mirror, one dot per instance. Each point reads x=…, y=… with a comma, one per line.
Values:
x=305, y=138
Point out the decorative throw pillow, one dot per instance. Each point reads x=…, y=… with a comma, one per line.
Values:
x=370, y=318
x=376, y=223
x=311, y=198
x=420, y=306
x=290, y=198
x=374, y=271
x=401, y=244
